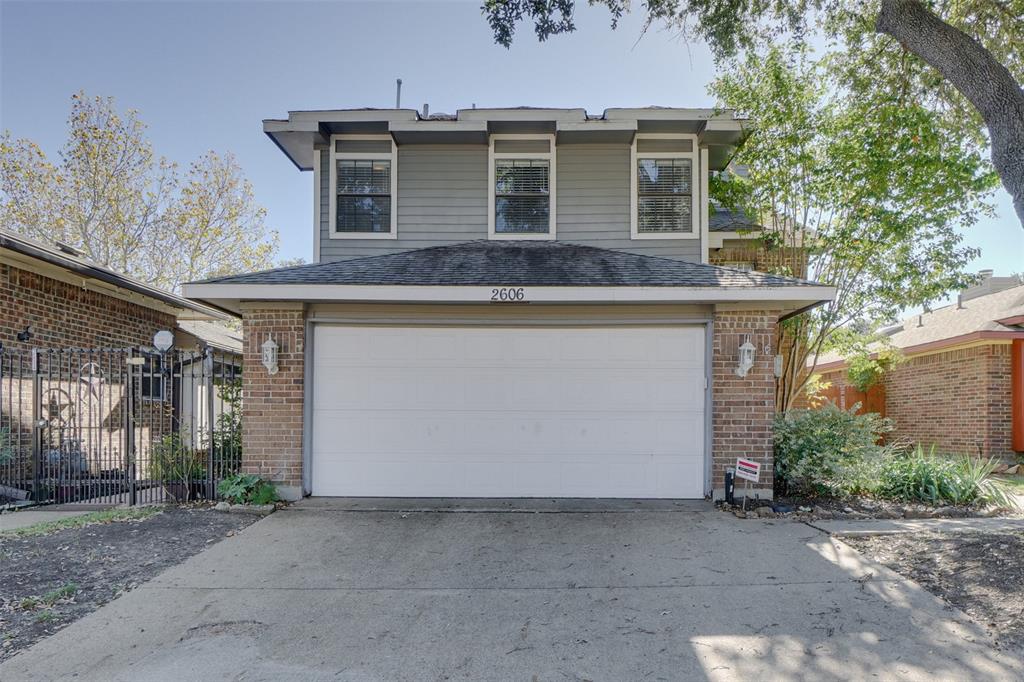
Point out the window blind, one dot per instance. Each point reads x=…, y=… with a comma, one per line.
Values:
x=363, y=195
x=522, y=196
x=665, y=195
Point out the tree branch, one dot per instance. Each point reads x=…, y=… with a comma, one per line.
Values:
x=975, y=73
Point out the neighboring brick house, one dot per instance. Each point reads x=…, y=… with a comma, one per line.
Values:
x=961, y=385
x=510, y=303
x=54, y=298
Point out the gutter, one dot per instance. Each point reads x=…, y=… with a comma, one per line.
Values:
x=42, y=253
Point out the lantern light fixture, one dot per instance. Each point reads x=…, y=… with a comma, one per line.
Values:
x=746, y=358
x=269, y=349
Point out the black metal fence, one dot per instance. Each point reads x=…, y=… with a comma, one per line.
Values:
x=116, y=426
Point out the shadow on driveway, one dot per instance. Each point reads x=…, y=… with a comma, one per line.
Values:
x=617, y=591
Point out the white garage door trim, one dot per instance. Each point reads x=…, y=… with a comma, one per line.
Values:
x=313, y=324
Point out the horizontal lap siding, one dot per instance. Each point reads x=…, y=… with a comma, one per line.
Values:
x=442, y=199
x=593, y=207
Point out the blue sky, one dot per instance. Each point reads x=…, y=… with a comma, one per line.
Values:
x=204, y=74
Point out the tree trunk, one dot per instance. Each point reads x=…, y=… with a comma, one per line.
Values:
x=972, y=70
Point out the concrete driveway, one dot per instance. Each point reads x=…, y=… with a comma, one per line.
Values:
x=609, y=592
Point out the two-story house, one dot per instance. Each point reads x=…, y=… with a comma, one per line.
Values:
x=509, y=303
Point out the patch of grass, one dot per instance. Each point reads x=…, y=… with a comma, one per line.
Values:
x=28, y=603
x=65, y=591
x=46, y=616
x=90, y=519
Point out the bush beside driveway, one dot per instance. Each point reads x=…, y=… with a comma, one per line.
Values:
x=314, y=592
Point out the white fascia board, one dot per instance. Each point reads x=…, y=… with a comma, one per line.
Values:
x=667, y=114
x=482, y=294
x=351, y=116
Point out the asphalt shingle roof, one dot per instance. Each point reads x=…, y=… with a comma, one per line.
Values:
x=514, y=263
x=729, y=220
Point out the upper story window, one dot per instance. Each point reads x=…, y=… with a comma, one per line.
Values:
x=664, y=199
x=364, y=178
x=522, y=187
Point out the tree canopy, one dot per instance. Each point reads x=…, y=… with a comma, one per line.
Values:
x=960, y=59
x=112, y=198
x=875, y=190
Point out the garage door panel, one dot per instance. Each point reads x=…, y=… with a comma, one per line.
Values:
x=516, y=412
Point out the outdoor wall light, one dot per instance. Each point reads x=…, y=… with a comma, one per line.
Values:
x=269, y=349
x=746, y=359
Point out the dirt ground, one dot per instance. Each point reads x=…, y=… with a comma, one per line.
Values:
x=979, y=573
x=52, y=580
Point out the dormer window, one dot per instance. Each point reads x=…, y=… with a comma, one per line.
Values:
x=664, y=200
x=522, y=187
x=364, y=178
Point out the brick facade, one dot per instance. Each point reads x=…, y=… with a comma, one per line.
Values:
x=959, y=400
x=272, y=405
x=743, y=408
x=63, y=315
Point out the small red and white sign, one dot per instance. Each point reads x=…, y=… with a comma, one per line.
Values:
x=748, y=469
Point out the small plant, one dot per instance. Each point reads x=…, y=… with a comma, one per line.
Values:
x=247, y=489
x=921, y=476
x=28, y=603
x=6, y=445
x=46, y=616
x=66, y=591
x=173, y=461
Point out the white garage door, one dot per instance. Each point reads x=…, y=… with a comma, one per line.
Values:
x=508, y=412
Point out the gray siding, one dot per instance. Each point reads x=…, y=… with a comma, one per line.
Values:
x=593, y=203
x=442, y=199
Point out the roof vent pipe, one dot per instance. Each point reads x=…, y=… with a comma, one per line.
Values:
x=398, y=93
x=959, y=301
x=426, y=110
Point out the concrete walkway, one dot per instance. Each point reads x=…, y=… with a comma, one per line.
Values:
x=30, y=517
x=888, y=527
x=321, y=592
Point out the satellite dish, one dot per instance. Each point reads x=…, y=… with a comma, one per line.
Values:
x=163, y=340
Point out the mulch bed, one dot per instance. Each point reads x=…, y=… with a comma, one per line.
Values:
x=805, y=508
x=979, y=573
x=52, y=580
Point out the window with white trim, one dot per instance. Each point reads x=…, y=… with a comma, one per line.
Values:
x=364, y=178
x=521, y=187
x=664, y=202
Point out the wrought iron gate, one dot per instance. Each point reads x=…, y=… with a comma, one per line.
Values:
x=116, y=426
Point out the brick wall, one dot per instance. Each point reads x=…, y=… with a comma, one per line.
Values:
x=959, y=400
x=63, y=315
x=743, y=406
x=272, y=404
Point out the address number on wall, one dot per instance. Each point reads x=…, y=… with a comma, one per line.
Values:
x=508, y=294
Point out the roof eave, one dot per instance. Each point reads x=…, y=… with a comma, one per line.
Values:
x=789, y=298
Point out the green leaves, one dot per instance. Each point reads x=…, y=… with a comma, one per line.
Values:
x=113, y=198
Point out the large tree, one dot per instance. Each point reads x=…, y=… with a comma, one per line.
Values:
x=111, y=197
x=963, y=59
x=876, y=191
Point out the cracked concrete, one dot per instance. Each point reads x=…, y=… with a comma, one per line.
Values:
x=322, y=592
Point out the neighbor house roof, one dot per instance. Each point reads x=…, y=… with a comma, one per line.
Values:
x=731, y=220
x=515, y=263
x=213, y=334
x=23, y=252
x=556, y=272
x=988, y=316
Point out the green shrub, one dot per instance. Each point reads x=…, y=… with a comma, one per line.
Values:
x=829, y=451
x=247, y=489
x=920, y=476
x=6, y=445
x=172, y=461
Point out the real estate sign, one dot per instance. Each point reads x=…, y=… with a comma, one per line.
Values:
x=748, y=469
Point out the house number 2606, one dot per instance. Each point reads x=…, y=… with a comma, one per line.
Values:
x=508, y=294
